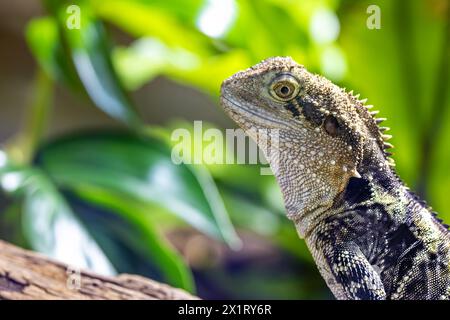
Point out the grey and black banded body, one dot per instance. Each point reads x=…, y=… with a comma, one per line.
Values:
x=370, y=236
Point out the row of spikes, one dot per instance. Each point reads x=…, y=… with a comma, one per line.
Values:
x=386, y=146
x=424, y=204
x=384, y=137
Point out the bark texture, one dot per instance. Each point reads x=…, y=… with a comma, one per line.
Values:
x=29, y=275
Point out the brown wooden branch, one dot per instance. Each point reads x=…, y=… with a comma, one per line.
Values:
x=29, y=275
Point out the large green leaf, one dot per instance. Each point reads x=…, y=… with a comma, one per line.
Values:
x=146, y=18
x=89, y=49
x=50, y=226
x=89, y=228
x=128, y=236
x=178, y=49
x=142, y=170
x=44, y=41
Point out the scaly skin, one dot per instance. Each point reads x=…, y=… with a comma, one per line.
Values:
x=370, y=237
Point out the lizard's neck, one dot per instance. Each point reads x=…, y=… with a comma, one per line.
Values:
x=374, y=190
x=378, y=190
x=378, y=187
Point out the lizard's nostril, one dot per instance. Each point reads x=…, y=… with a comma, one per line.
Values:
x=228, y=84
x=228, y=81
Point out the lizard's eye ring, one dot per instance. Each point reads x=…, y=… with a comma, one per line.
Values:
x=284, y=87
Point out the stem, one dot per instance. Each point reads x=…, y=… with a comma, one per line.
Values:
x=22, y=147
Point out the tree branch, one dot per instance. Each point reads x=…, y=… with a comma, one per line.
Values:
x=29, y=275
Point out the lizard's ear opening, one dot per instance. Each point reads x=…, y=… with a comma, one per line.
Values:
x=331, y=126
x=284, y=87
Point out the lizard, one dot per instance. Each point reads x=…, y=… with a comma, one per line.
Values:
x=370, y=236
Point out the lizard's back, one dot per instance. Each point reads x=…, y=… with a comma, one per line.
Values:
x=411, y=255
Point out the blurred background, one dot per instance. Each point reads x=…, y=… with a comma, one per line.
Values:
x=87, y=113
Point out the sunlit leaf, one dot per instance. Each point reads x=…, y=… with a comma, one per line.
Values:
x=143, y=18
x=147, y=58
x=80, y=230
x=43, y=38
x=50, y=225
x=240, y=177
x=90, y=52
x=127, y=234
x=143, y=170
x=272, y=28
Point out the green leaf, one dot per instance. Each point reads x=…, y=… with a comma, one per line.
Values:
x=90, y=52
x=127, y=234
x=142, y=170
x=147, y=58
x=94, y=67
x=178, y=49
x=141, y=18
x=82, y=226
x=43, y=38
x=49, y=224
x=248, y=213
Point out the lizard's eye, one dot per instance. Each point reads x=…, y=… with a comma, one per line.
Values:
x=284, y=87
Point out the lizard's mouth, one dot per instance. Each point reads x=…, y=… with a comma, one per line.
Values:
x=238, y=111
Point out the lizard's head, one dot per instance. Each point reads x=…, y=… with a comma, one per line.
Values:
x=324, y=133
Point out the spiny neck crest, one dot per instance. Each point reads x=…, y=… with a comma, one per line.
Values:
x=374, y=125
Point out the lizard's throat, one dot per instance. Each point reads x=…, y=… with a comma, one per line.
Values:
x=306, y=196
